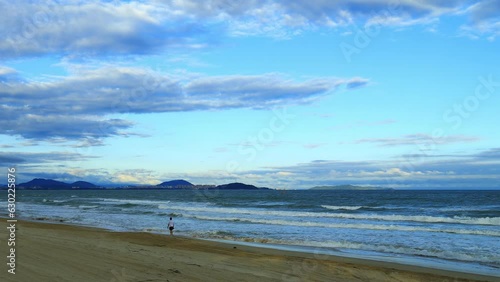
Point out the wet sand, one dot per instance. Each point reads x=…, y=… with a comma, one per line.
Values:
x=57, y=252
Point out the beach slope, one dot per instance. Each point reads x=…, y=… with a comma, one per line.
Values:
x=57, y=252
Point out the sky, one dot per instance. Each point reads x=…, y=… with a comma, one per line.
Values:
x=285, y=94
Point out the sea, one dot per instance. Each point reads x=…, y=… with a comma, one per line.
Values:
x=454, y=230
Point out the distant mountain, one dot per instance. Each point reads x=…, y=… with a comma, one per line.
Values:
x=179, y=183
x=82, y=184
x=46, y=184
x=40, y=183
x=348, y=187
x=238, y=186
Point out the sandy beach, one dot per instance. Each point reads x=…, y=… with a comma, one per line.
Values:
x=57, y=252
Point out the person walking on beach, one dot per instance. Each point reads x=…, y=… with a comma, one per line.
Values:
x=171, y=227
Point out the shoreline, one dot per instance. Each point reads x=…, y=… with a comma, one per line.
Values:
x=190, y=259
x=424, y=263
x=466, y=268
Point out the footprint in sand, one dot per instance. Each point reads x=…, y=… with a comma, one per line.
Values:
x=174, y=270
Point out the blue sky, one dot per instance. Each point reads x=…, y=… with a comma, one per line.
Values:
x=285, y=94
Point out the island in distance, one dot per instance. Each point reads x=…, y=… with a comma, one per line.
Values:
x=348, y=187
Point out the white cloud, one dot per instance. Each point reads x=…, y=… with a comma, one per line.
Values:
x=397, y=172
x=7, y=74
x=284, y=173
x=6, y=71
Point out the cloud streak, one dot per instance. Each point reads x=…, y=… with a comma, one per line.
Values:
x=75, y=107
x=417, y=139
x=484, y=20
x=284, y=19
x=22, y=158
x=97, y=28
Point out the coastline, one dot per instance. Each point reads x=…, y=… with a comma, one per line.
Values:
x=62, y=252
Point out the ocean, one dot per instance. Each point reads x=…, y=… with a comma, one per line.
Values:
x=456, y=230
